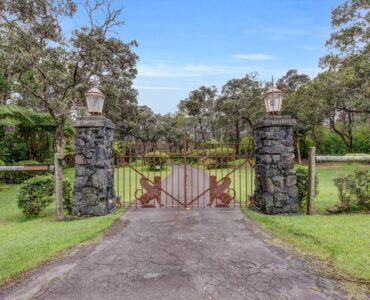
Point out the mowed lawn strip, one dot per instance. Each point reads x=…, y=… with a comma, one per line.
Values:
x=26, y=243
x=341, y=240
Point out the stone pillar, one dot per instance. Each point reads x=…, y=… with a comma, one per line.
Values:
x=275, y=181
x=94, y=166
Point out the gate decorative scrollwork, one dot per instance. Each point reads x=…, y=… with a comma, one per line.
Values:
x=185, y=175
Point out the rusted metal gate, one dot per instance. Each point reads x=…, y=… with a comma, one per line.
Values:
x=184, y=175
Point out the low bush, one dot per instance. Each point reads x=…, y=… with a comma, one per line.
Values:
x=210, y=163
x=124, y=152
x=67, y=195
x=354, y=191
x=156, y=160
x=38, y=192
x=302, y=185
x=27, y=163
x=221, y=155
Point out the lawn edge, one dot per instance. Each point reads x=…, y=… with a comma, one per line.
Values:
x=317, y=264
x=91, y=241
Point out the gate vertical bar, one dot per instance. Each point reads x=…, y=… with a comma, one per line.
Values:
x=185, y=162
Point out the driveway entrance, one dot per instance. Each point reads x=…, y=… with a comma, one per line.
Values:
x=179, y=254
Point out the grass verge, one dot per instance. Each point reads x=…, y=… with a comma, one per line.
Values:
x=27, y=243
x=342, y=241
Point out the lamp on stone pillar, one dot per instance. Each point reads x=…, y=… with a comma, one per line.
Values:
x=95, y=101
x=273, y=98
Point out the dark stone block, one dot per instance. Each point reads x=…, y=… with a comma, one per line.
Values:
x=291, y=180
x=275, y=182
x=94, y=181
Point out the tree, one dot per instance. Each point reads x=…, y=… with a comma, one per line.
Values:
x=351, y=24
x=240, y=101
x=200, y=105
x=53, y=73
x=345, y=87
x=146, y=125
x=289, y=85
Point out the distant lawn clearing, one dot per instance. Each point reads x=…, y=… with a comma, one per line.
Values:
x=26, y=243
x=340, y=240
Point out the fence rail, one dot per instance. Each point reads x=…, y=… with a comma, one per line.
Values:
x=329, y=158
x=28, y=168
x=312, y=159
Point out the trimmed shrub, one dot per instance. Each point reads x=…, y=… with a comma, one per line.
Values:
x=221, y=155
x=215, y=158
x=67, y=195
x=27, y=163
x=354, y=191
x=156, y=160
x=38, y=192
x=210, y=163
x=302, y=184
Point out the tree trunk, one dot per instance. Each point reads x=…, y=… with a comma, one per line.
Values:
x=58, y=159
x=350, y=135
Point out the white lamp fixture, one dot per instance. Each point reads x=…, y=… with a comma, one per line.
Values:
x=95, y=101
x=273, y=99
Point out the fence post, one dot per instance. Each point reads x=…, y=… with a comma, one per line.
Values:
x=58, y=160
x=311, y=181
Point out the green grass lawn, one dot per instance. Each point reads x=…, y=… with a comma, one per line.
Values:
x=343, y=241
x=328, y=192
x=26, y=243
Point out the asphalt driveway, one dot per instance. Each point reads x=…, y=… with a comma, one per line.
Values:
x=178, y=254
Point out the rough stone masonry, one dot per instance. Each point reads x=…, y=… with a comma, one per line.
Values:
x=94, y=166
x=275, y=181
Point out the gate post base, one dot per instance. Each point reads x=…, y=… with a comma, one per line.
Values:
x=93, y=192
x=275, y=180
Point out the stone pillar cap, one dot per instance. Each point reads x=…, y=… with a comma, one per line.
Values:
x=275, y=121
x=94, y=121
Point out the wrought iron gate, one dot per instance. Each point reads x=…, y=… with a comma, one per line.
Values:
x=184, y=175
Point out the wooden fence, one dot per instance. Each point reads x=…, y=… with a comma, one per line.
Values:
x=312, y=159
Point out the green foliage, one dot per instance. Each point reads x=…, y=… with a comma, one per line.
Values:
x=332, y=144
x=13, y=147
x=361, y=138
x=354, y=190
x=2, y=163
x=302, y=185
x=210, y=163
x=38, y=192
x=123, y=151
x=217, y=157
x=246, y=145
x=211, y=142
x=156, y=160
x=67, y=195
x=27, y=163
